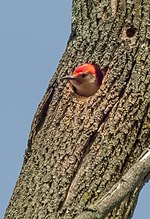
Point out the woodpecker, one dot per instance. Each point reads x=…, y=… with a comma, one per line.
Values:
x=86, y=79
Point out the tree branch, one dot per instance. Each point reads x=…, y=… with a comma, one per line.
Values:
x=120, y=190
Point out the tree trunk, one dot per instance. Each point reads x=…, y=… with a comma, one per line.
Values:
x=80, y=147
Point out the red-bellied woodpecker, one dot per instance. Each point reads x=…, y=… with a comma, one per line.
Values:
x=86, y=79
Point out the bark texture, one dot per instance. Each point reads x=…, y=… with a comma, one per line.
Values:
x=80, y=147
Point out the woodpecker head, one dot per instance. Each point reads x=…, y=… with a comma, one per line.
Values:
x=86, y=79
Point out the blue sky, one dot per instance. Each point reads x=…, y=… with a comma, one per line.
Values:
x=33, y=37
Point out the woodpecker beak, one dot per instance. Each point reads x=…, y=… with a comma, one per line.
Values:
x=69, y=77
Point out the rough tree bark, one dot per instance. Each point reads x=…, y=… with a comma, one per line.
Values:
x=79, y=148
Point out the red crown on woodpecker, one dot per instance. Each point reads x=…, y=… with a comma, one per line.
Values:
x=86, y=79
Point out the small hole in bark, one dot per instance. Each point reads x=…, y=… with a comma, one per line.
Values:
x=131, y=31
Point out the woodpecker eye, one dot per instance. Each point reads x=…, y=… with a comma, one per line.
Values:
x=83, y=75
